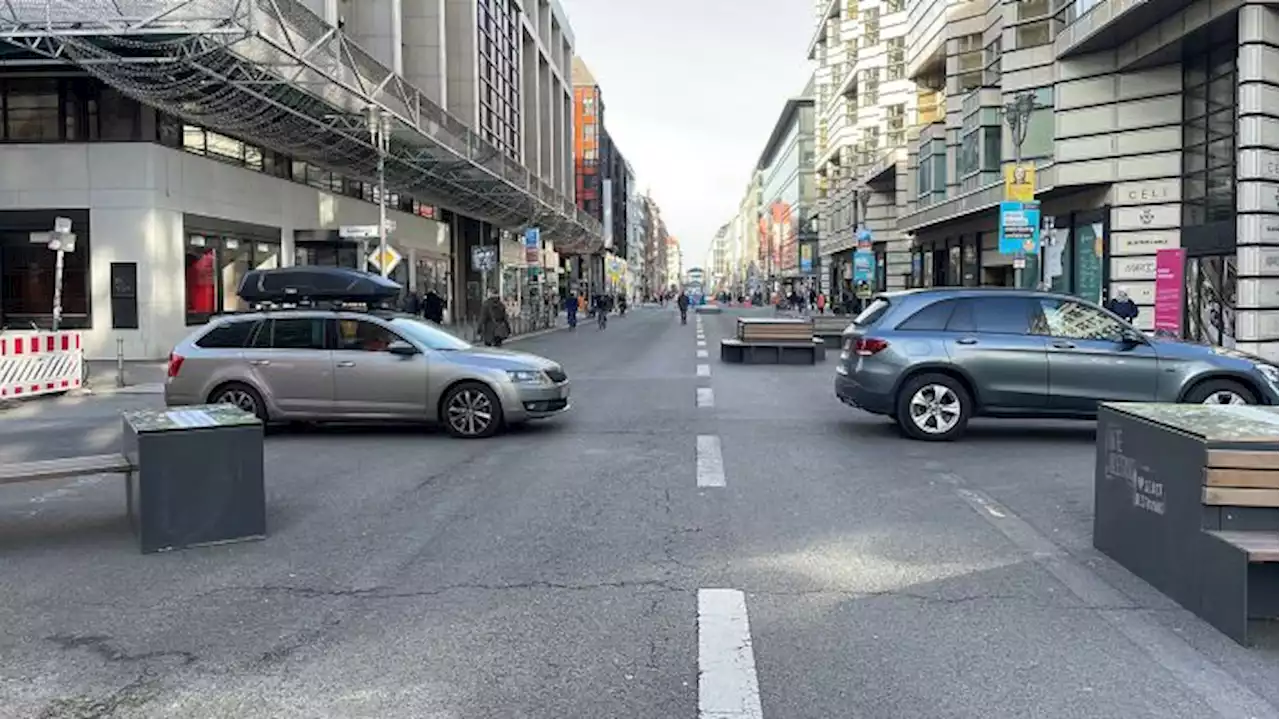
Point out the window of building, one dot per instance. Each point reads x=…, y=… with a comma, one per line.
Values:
x=1039, y=138
x=991, y=63
x=1209, y=137
x=895, y=56
x=32, y=111
x=1032, y=34
x=27, y=276
x=969, y=62
x=870, y=26
x=896, y=124
x=870, y=87
x=1210, y=286
x=895, y=5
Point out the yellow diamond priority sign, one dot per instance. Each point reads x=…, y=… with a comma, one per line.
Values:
x=389, y=258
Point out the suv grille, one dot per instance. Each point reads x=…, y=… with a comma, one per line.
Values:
x=557, y=375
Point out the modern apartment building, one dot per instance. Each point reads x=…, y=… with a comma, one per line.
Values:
x=1151, y=125
x=257, y=148
x=787, y=215
x=716, y=265
x=675, y=263
x=654, y=276
x=601, y=172
x=865, y=101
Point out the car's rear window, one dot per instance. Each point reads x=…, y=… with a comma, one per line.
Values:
x=228, y=335
x=872, y=313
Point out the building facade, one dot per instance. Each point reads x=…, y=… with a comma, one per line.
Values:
x=171, y=211
x=1142, y=126
x=788, y=225
x=602, y=175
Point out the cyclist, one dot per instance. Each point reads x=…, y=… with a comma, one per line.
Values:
x=602, y=310
x=683, y=303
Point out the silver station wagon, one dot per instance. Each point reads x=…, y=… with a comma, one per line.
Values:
x=309, y=363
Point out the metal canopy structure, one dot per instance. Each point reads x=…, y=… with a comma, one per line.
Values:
x=274, y=73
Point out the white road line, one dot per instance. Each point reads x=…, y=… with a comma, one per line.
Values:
x=727, y=684
x=1218, y=689
x=710, y=462
x=706, y=397
x=702, y=353
x=702, y=343
x=704, y=370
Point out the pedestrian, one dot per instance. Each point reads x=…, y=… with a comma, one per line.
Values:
x=1123, y=307
x=821, y=302
x=494, y=326
x=433, y=306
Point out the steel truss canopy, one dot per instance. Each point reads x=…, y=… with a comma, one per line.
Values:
x=274, y=73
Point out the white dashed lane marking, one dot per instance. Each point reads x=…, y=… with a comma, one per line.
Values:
x=704, y=370
x=702, y=343
x=727, y=684
x=710, y=463
x=702, y=354
x=706, y=397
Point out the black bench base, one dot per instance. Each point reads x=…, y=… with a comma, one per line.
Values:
x=736, y=351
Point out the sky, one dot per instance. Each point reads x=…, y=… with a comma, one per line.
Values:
x=692, y=89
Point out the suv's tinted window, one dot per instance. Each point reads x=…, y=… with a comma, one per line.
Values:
x=1073, y=320
x=228, y=335
x=292, y=333
x=997, y=315
x=932, y=318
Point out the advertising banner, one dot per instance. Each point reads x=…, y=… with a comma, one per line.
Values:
x=1019, y=228
x=606, y=216
x=864, y=267
x=1170, y=291
x=1020, y=182
x=806, y=258
x=533, y=247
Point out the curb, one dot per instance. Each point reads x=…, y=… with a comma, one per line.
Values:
x=539, y=333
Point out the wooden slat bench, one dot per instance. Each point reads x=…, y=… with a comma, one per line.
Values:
x=830, y=328
x=1188, y=498
x=63, y=468
x=773, y=341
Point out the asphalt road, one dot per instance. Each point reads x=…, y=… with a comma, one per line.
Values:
x=571, y=568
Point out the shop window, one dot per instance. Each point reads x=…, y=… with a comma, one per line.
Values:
x=1210, y=284
x=969, y=256
x=214, y=268
x=27, y=278
x=954, y=268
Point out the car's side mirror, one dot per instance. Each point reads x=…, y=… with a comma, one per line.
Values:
x=402, y=348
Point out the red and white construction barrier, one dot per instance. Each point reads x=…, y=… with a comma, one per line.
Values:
x=34, y=363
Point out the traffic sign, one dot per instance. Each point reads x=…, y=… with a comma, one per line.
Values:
x=358, y=232
x=389, y=258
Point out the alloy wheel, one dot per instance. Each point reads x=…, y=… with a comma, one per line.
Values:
x=470, y=412
x=240, y=399
x=1225, y=396
x=935, y=409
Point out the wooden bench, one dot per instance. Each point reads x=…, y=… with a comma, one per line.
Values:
x=63, y=468
x=831, y=328
x=707, y=309
x=762, y=340
x=1188, y=497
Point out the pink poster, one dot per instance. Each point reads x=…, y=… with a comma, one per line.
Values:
x=1169, y=291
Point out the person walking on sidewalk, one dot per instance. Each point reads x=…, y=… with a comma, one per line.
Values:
x=494, y=326
x=683, y=303
x=433, y=307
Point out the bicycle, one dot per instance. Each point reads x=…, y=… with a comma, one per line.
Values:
x=602, y=318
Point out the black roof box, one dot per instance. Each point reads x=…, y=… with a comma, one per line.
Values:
x=316, y=284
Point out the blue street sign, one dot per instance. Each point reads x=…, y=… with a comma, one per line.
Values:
x=864, y=266
x=1019, y=228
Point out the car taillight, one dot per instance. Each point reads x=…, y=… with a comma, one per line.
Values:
x=175, y=364
x=867, y=346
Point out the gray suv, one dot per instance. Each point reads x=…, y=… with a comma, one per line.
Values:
x=933, y=358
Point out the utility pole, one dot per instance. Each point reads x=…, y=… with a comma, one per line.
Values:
x=1017, y=114
x=380, y=135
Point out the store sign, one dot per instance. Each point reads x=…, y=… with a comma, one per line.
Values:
x=1150, y=217
x=1148, y=192
x=1133, y=268
x=1144, y=243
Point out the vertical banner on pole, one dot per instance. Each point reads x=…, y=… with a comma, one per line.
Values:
x=1170, y=291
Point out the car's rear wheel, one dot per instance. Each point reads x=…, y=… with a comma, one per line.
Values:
x=1221, y=391
x=933, y=407
x=471, y=411
x=241, y=396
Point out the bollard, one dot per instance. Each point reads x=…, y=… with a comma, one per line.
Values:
x=119, y=361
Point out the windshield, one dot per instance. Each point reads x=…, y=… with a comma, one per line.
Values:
x=873, y=312
x=428, y=335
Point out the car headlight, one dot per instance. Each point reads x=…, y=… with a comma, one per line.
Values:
x=1271, y=373
x=528, y=376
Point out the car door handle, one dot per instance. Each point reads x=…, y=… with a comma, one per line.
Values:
x=259, y=363
x=346, y=363
x=1064, y=345
x=967, y=341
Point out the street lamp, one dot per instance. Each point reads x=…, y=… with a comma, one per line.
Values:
x=864, y=199
x=1017, y=115
x=380, y=135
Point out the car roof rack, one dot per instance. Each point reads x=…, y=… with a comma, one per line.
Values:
x=317, y=287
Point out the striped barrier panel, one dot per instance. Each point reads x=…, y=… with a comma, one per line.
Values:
x=35, y=363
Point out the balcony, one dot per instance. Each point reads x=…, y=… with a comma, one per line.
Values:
x=1094, y=25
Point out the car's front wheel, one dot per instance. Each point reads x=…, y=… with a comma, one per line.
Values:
x=1221, y=391
x=933, y=407
x=471, y=411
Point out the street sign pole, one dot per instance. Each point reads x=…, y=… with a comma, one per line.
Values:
x=379, y=130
